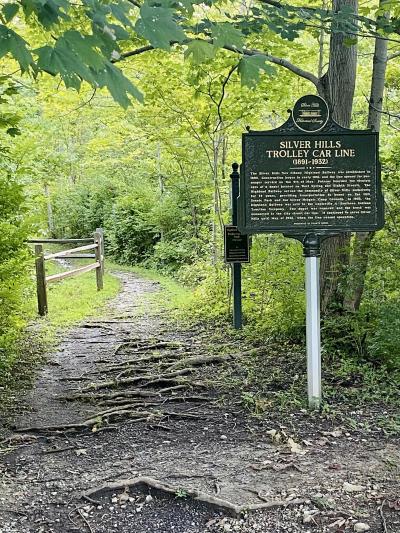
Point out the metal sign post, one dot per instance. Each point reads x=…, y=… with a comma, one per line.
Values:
x=311, y=247
x=236, y=267
x=310, y=179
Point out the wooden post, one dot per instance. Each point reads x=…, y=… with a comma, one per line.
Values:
x=40, y=280
x=100, y=231
x=98, y=251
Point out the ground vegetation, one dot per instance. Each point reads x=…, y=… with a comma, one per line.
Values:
x=128, y=117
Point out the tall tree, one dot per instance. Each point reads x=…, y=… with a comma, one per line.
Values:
x=362, y=241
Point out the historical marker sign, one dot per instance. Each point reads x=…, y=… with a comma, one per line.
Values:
x=236, y=246
x=310, y=175
x=310, y=179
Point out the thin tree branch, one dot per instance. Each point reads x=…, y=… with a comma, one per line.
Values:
x=226, y=80
x=87, y=102
x=273, y=3
x=135, y=3
x=310, y=9
x=247, y=52
x=282, y=63
x=393, y=56
x=382, y=111
x=136, y=52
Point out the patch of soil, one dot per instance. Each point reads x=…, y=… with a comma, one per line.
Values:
x=128, y=395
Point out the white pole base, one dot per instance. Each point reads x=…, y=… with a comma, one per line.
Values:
x=313, y=333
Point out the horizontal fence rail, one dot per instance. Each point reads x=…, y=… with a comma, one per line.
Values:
x=66, y=253
x=96, y=244
x=59, y=241
x=69, y=273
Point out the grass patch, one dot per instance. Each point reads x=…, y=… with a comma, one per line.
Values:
x=70, y=301
x=173, y=297
x=76, y=298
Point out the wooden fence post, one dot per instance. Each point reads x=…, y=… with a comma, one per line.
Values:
x=100, y=231
x=40, y=280
x=99, y=258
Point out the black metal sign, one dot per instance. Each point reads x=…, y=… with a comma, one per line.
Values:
x=310, y=175
x=236, y=246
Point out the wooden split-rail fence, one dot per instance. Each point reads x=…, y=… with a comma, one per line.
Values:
x=95, y=243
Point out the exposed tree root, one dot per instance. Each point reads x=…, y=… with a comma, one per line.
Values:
x=92, y=423
x=64, y=428
x=93, y=325
x=155, y=346
x=103, y=418
x=149, y=380
x=165, y=381
x=115, y=321
x=139, y=393
x=200, y=360
x=144, y=482
x=155, y=382
x=109, y=395
x=133, y=362
x=172, y=399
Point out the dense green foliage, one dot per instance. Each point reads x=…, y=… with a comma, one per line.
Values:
x=13, y=261
x=155, y=175
x=81, y=42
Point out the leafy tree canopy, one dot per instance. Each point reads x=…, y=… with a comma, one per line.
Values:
x=81, y=41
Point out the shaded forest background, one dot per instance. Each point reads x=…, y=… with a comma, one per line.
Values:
x=155, y=175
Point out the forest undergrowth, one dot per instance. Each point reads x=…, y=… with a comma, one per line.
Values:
x=359, y=393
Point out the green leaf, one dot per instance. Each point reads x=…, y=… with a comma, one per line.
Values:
x=119, y=86
x=120, y=33
x=82, y=45
x=199, y=51
x=224, y=34
x=120, y=11
x=13, y=132
x=62, y=60
x=187, y=6
x=364, y=11
x=9, y=11
x=157, y=25
x=250, y=67
x=48, y=12
x=11, y=42
x=105, y=37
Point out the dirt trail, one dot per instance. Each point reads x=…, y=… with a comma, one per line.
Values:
x=127, y=395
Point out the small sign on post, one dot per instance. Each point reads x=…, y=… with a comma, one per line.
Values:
x=236, y=245
x=310, y=179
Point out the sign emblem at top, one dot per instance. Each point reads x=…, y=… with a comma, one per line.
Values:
x=310, y=113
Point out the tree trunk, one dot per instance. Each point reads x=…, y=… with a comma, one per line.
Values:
x=50, y=217
x=337, y=88
x=321, y=43
x=362, y=241
x=160, y=183
x=215, y=213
